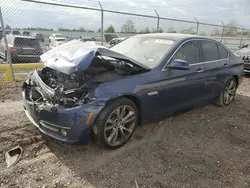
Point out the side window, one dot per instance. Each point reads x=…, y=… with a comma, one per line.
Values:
x=223, y=52
x=189, y=52
x=210, y=51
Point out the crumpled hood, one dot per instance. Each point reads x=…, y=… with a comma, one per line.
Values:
x=77, y=56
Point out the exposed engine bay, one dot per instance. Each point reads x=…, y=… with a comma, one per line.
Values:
x=56, y=88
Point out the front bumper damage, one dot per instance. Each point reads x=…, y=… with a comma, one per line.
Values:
x=70, y=125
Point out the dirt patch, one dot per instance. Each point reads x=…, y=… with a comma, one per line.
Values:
x=10, y=91
x=205, y=147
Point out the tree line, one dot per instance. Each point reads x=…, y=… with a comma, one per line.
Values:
x=230, y=29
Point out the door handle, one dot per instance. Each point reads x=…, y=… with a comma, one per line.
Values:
x=226, y=65
x=199, y=70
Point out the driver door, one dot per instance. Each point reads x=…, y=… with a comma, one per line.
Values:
x=183, y=88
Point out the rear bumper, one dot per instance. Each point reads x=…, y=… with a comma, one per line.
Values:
x=70, y=120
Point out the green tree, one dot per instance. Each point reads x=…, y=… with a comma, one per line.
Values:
x=188, y=31
x=160, y=30
x=202, y=33
x=7, y=27
x=99, y=30
x=171, y=30
x=38, y=29
x=81, y=29
x=216, y=32
x=110, y=29
x=128, y=27
x=147, y=30
x=231, y=28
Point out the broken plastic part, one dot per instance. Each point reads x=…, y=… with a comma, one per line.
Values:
x=13, y=156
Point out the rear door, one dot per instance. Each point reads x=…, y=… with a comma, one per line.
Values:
x=183, y=88
x=216, y=61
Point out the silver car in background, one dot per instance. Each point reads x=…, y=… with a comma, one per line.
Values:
x=23, y=49
x=55, y=44
x=244, y=53
x=56, y=36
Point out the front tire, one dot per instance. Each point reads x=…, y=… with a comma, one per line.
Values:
x=228, y=93
x=116, y=123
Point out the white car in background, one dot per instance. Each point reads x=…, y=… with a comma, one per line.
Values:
x=56, y=36
x=54, y=44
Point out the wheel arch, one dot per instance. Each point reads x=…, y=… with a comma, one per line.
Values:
x=237, y=79
x=132, y=98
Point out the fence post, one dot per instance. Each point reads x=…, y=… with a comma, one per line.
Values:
x=222, y=33
x=197, y=27
x=242, y=31
x=6, y=45
x=158, y=21
x=101, y=22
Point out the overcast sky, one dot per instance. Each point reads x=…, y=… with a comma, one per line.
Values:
x=25, y=14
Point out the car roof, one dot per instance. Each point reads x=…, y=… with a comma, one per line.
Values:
x=56, y=33
x=172, y=36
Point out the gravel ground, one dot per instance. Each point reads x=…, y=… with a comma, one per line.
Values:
x=205, y=147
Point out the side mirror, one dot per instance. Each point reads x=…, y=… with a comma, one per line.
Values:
x=178, y=64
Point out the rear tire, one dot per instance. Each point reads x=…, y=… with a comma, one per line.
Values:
x=228, y=93
x=116, y=123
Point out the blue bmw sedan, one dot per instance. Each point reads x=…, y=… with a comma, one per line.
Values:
x=86, y=89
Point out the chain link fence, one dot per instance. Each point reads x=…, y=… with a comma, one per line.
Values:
x=33, y=27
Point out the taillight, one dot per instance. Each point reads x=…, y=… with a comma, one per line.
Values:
x=41, y=50
x=13, y=48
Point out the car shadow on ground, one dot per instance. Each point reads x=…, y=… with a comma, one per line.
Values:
x=206, y=147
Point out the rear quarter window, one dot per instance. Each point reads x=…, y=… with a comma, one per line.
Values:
x=210, y=51
x=223, y=52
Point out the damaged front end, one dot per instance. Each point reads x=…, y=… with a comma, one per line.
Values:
x=48, y=87
x=60, y=98
x=74, y=70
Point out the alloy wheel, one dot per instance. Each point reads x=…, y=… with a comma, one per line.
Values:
x=229, y=92
x=120, y=125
